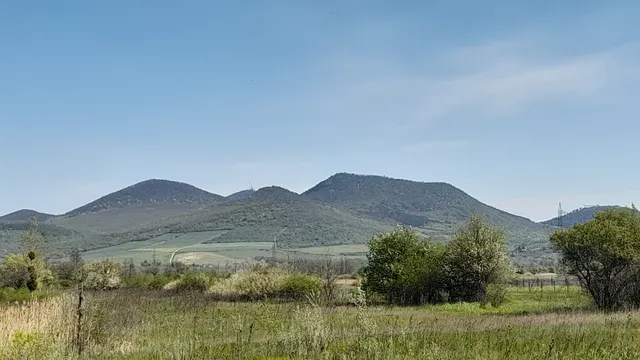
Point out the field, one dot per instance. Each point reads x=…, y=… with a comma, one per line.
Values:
x=164, y=247
x=347, y=250
x=137, y=324
x=197, y=248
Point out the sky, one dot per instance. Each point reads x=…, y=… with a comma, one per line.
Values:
x=521, y=104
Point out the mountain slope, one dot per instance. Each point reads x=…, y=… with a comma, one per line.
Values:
x=240, y=195
x=26, y=215
x=270, y=212
x=58, y=239
x=579, y=216
x=137, y=205
x=437, y=207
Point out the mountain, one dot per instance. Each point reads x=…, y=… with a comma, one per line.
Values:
x=26, y=215
x=269, y=212
x=240, y=195
x=137, y=205
x=438, y=208
x=343, y=209
x=579, y=216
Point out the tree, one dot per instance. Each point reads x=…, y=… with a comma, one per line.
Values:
x=403, y=268
x=476, y=257
x=24, y=270
x=604, y=254
x=102, y=275
x=33, y=240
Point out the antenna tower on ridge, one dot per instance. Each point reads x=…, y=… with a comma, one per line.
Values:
x=561, y=214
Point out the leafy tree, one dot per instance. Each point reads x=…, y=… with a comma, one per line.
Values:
x=24, y=270
x=476, y=257
x=33, y=240
x=403, y=268
x=102, y=275
x=604, y=254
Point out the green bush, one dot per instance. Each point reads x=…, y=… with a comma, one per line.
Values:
x=11, y=295
x=298, y=286
x=158, y=282
x=193, y=282
x=496, y=294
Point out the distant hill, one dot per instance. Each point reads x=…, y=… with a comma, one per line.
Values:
x=59, y=239
x=437, y=207
x=579, y=216
x=240, y=195
x=343, y=209
x=271, y=211
x=136, y=205
x=25, y=215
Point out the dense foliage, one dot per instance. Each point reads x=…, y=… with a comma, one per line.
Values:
x=604, y=254
x=406, y=269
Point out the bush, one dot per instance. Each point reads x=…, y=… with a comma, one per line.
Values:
x=298, y=286
x=102, y=275
x=261, y=283
x=496, y=294
x=476, y=257
x=158, y=282
x=404, y=268
x=193, y=282
x=10, y=295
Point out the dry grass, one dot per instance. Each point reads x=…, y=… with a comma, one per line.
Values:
x=134, y=324
x=44, y=327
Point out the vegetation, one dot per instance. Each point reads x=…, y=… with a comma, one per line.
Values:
x=408, y=270
x=303, y=308
x=146, y=324
x=580, y=216
x=476, y=258
x=604, y=254
x=344, y=209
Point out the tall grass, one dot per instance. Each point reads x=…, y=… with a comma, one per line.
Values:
x=149, y=324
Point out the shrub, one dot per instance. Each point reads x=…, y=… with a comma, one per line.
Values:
x=404, y=268
x=102, y=275
x=496, y=294
x=193, y=282
x=158, y=282
x=476, y=257
x=298, y=286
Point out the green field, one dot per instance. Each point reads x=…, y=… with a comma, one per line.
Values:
x=162, y=246
x=348, y=250
x=223, y=253
x=197, y=248
x=144, y=324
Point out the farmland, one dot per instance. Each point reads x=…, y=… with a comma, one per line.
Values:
x=200, y=248
x=163, y=247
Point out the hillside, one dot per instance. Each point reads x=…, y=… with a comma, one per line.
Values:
x=437, y=207
x=59, y=239
x=344, y=209
x=137, y=205
x=579, y=216
x=240, y=195
x=26, y=215
x=271, y=211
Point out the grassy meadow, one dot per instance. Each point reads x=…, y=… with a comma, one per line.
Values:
x=146, y=324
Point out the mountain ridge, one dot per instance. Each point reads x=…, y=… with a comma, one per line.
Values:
x=342, y=209
x=25, y=215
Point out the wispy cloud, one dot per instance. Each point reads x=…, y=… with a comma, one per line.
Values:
x=496, y=78
x=430, y=147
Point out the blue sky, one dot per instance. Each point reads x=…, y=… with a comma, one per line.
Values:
x=520, y=104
